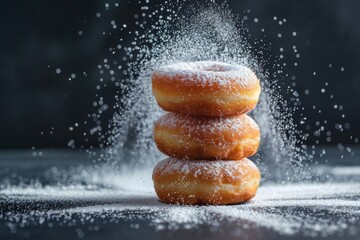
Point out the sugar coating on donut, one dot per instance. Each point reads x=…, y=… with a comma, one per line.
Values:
x=235, y=123
x=207, y=73
x=203, y=138
x=217, y=169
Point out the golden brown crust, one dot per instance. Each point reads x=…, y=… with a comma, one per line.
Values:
x=205, y=182
x=203, y=94
x=189, y=137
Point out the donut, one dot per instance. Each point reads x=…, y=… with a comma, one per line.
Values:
x=191, y=137
x=205, y=182
x=205, y=88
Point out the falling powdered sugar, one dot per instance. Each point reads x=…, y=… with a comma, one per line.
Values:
x=209, y=33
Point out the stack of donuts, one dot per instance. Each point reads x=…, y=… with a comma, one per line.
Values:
x=206, y=133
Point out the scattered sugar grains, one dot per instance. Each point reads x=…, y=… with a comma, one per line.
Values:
x=120, y=188
x=110, y=197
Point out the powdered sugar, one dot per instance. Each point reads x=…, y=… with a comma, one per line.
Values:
x=207, y=73
x=215, y=169
x=104, y=198
x=191, y=124
x=205, y=31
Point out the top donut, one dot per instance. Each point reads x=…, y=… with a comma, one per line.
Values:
x=205, y=88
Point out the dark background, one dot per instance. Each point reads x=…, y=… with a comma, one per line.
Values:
x=38, y=105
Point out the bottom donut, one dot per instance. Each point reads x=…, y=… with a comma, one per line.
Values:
x=194, y=182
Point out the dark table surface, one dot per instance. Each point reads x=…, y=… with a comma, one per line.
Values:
x=62, y=195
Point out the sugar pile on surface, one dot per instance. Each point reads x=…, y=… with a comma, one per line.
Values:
x=314, y=209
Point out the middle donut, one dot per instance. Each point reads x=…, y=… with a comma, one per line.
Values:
x=195, y=138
